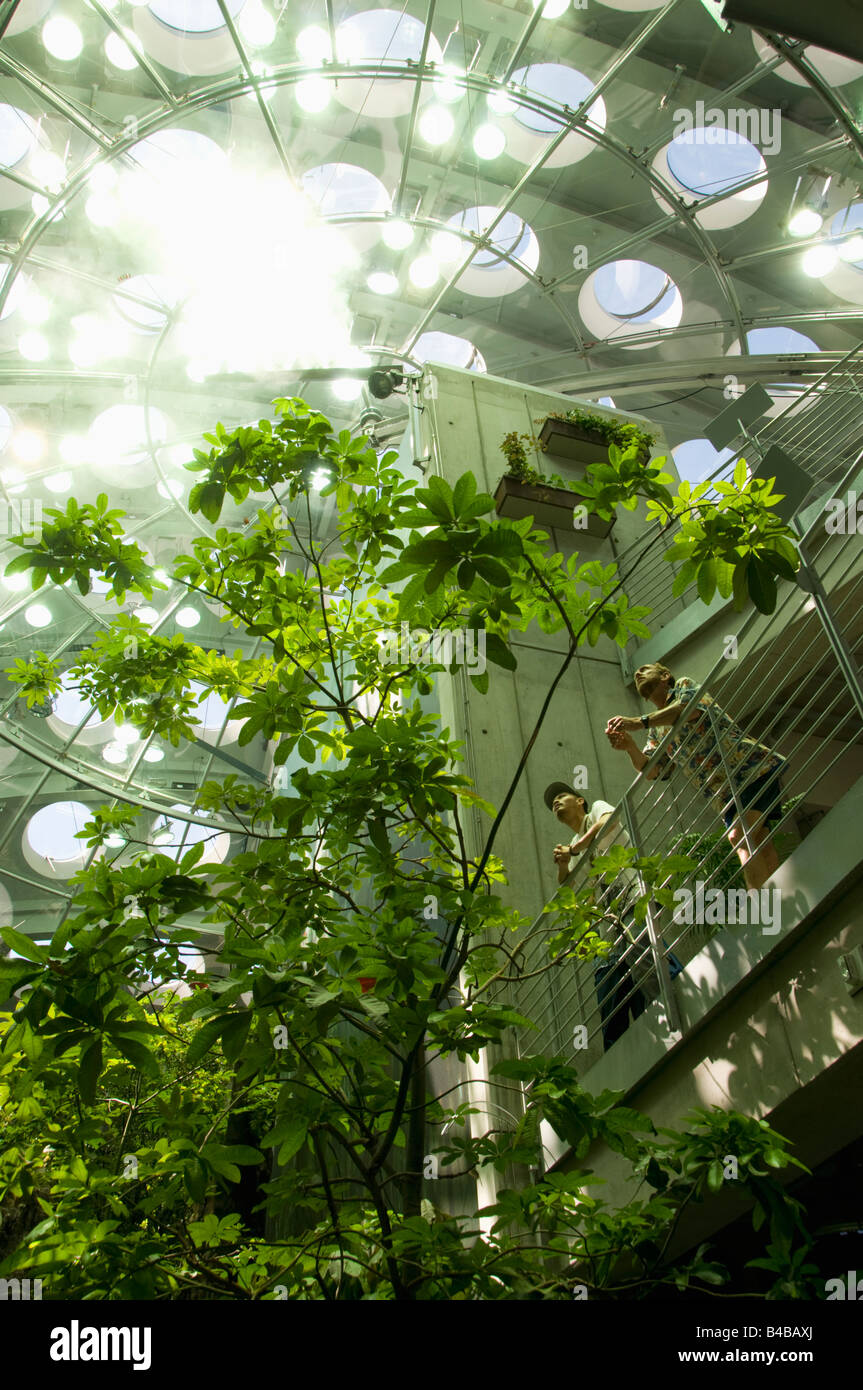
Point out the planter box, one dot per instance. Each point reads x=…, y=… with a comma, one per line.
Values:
x=549, y=506
x=568, y=441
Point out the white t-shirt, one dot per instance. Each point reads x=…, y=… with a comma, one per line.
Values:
x=611, y=834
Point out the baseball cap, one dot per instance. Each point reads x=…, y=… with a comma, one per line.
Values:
x=558, y=788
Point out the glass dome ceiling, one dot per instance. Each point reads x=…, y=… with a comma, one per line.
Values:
x=203, y=200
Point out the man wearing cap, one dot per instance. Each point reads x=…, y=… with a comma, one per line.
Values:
x=617, y=993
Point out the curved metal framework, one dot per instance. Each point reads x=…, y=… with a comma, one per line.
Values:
x=565, y=356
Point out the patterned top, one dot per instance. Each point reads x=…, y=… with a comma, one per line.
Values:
x=697, y=750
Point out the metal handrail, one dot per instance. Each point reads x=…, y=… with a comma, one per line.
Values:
x=649, y=832
x=819, y=423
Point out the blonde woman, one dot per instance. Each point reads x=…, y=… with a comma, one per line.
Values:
x=709, y=750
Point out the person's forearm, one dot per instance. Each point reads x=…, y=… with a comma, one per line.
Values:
x=562, y=870
x=636, y=757
x=665, y=717
x=640, y=760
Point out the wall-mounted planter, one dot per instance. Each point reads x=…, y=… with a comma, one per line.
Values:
x=567, y=440
x=549, y=506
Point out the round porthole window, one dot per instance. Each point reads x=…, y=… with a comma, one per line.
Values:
x=624, y=299
x=49, y=841
x=490, y=273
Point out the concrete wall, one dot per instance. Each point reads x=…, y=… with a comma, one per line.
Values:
x=767, y=1021
x=468, y=415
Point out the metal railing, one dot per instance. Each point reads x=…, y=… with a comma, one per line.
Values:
x=796, y=688
x=821, y=428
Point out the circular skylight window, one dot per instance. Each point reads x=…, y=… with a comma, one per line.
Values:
x=376, y=36
x=713, y=162
x=212, y=719
x=185, y=834
x=117, y=440
x=778, y=341
x=850, y=219
x=622, y=299
x=447, y=348
x=193, y=16
x=153, y=287
x=489, y=273
x=71, y=709
x=190, y=36
x=775, y=341
x=635, y=291
x=710, y=160
x=835, y=68
x=340, y=189
x=49, y=841
x=558, y=83
x=17, y=136
x=171, y=155
x=511, y=237
x=696, y=459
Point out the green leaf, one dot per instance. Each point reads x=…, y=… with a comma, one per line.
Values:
x=480, y=683
x=706, y=581
x=243, y=1154
x=464, y=492
x=684, y=577
x=466, y=574
x=141, y=1057
x=436, y=577
x=14, y=974
x=777, y=563
x=483, y=503
x=23, y=946
x=491, y=570
x=502, y=541
x=498, y=652
x=438, y=497
x=762, y=586
x=724, y=578
x=234, y=1033
x=89, y=1071
x=209, y=500
x=379, y=837
x=740, y=586
x=288, y=1136
x=205, y=1038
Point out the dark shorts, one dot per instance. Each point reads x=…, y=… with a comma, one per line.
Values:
x=758, y=796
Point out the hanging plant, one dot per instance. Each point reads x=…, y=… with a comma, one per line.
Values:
x=514, y=451
x=624, y=434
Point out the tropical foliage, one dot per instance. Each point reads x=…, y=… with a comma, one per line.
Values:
x=271, y=1128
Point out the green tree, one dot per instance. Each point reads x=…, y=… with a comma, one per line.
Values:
x=268, y=1135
